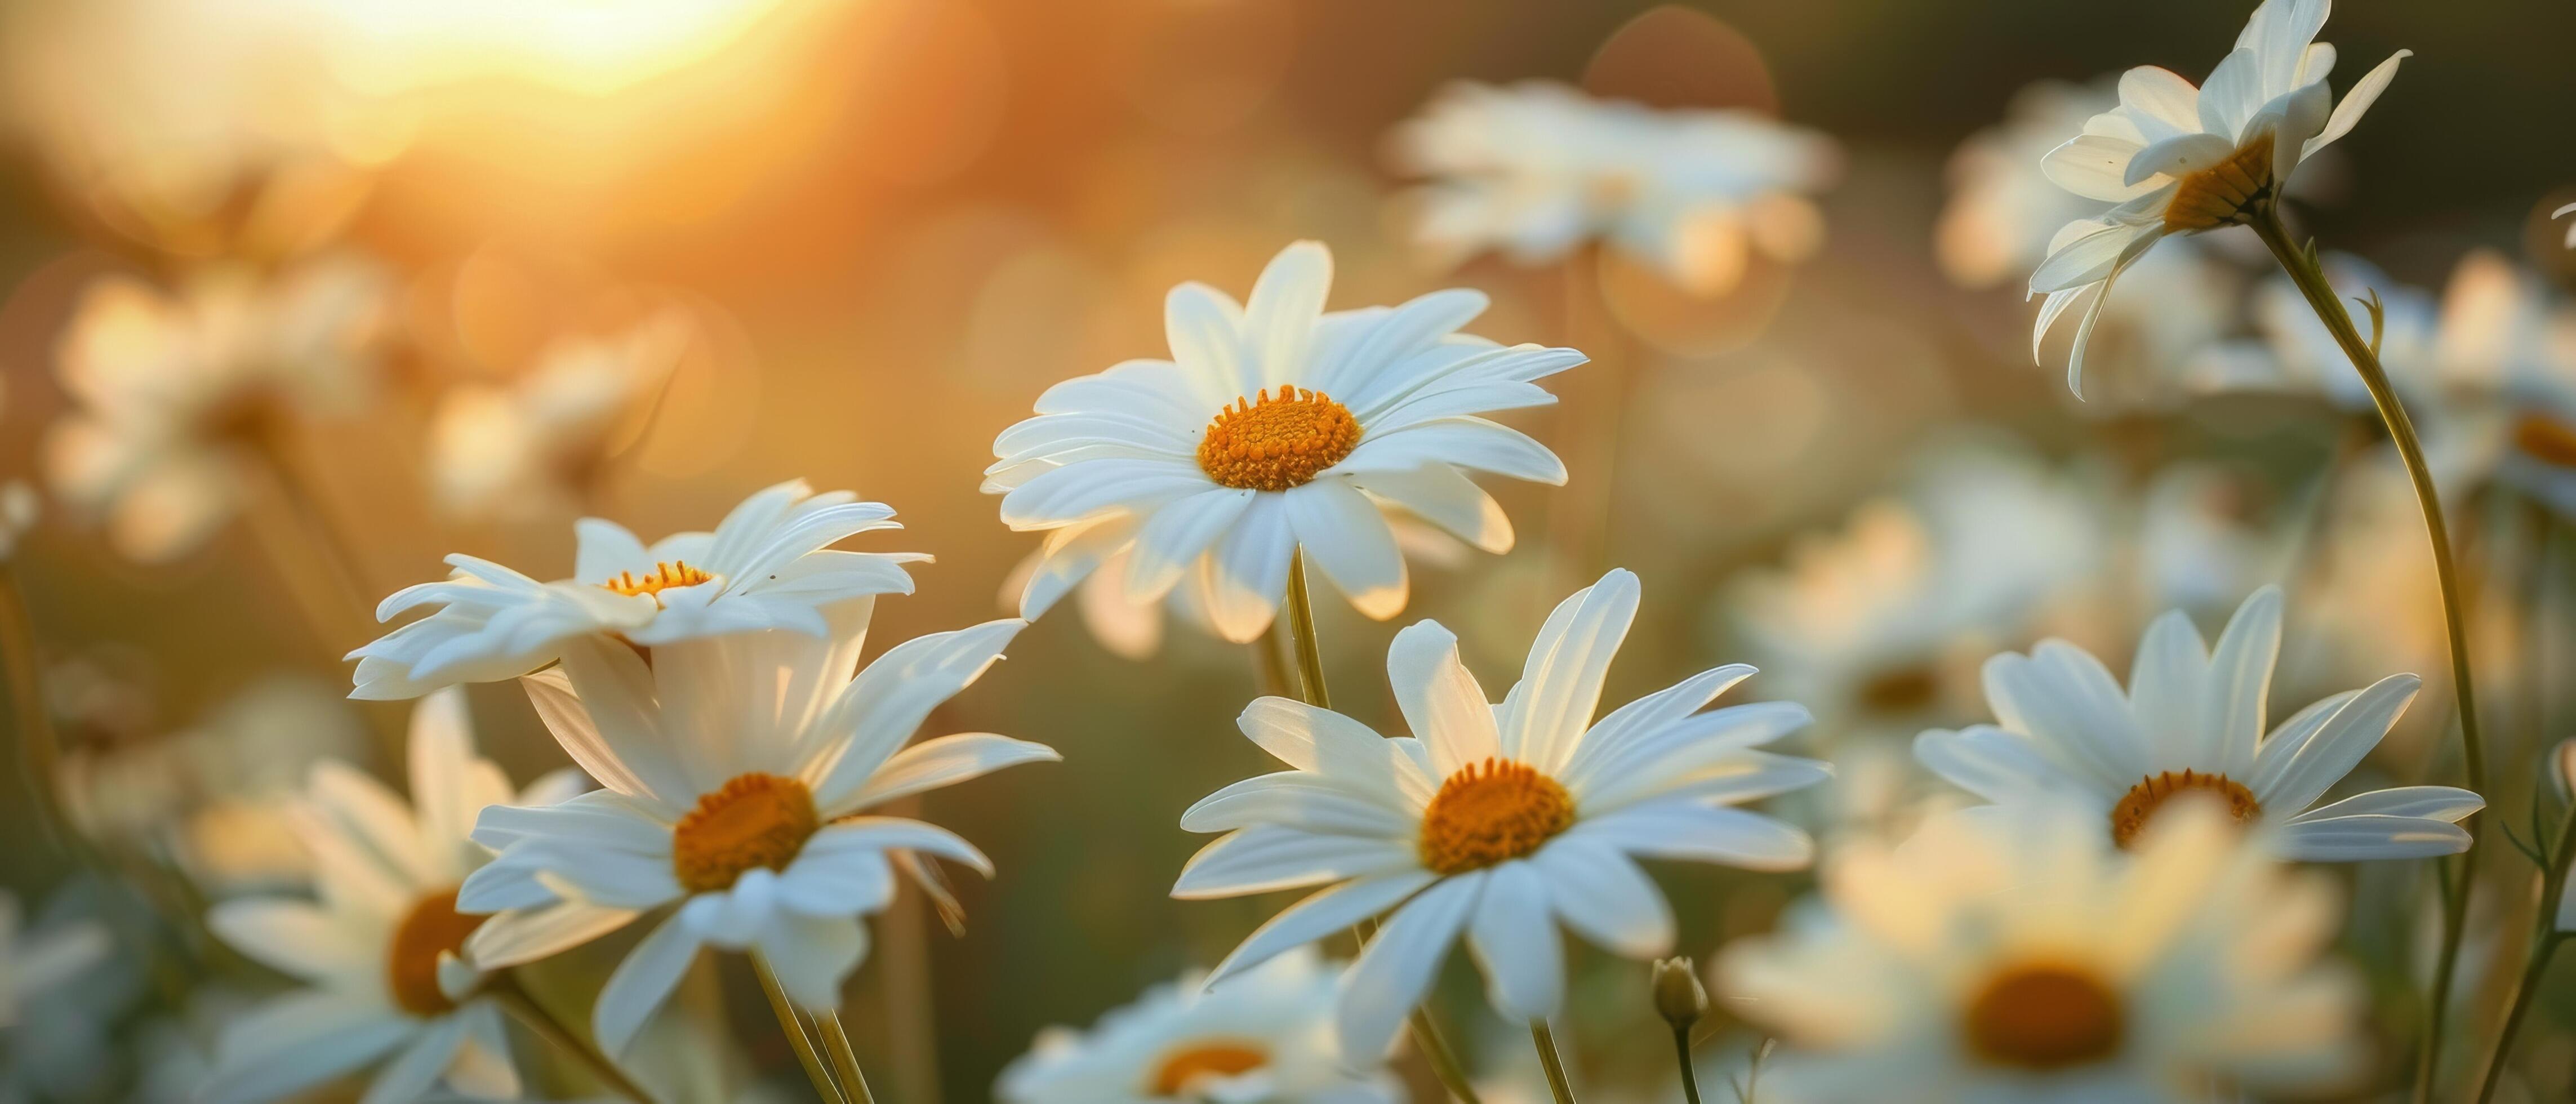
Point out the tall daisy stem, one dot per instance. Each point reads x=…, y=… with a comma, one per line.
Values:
x=797, y=1037
x=2311, y=280
x=845, y=1059
x=1310, y=669
x=2545, y=940
x=1681, y=1051
x=514, y=998
x=1554, y=1064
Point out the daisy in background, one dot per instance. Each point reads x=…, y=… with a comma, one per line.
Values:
x=1266, y=1034
x=2507, y=357
x=767, y=565
x=379, y=948
x=535, y=445
x=1494, y=822
x=1276, y=428
x=176, y=395
x=1537, y=169
x=2011, y=958
x=50, y=1038
x=2181, y=160
x=2191, y=723
x=737, y=771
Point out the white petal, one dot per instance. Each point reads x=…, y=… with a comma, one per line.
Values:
x=295, y=1042
x=526, y=935
x=2357, y=101
x=2350, y=838
x=1279, y=320
x=1682, y=829
x=1439, y=698
x=880, y=709
x=946, y=761
x=1174, y=536
x=2095, y=167
x=1602, y=894
x=1345, y=537
x=2240, y=681
x=2290, y=777
x=641, y=983
x=1560, y=685
x=1245, y=579
x=2178, y=156
x=1514, y=937
x=1269, y=857
x=2444, y=803
x=813, y=956
x=2162, y=98
x=1318, y=916
x=1991, y=763
x=1438, y=494
x=1380, y=990
x=293, y=937
x=412, y=1072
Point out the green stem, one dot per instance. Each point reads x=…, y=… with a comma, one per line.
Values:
x=39, y=748
x=2312, y=283
x=1310, y=669
x=1273, y=665
x=837, y=1040
x=797, y=1037
x=1681, y=1051
x=2546, y=937
x=1552, y=1062
x=514, y=998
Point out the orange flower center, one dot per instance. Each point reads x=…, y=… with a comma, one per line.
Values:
x=2130, y=816
x=754, y=820
x=1902, y=690
x=664, y=576
x=1491, y=812
x=2044, y=1018
x=2221, y=194
x=1214, y=1058
x=1273, y=444
x=2546, y=439
x=411, y=966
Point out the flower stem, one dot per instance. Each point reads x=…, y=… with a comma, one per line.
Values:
x=797, y=1037
x=514, y=998
x=1310, y=669
x=2546, y=937
x=39, y=749
x=2311, y=280
x=1681, y=1052
x=845, y=1059
x=1554, y=1064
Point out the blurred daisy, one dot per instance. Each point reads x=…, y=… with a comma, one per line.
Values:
x=173, y=395
x=63, y=986
x=2195, y=548
x=18, y=509
x=1538, y=168
x=2180, y=160
x=535, y=445
x=1276, y=427
x=1495, y=822
x=379, y=950
x=737, y=770
x=2192, y=723
x=1995, y=959
x=33, y=963
x=1264, y=1035
x=2507, y=354
x=767, y=565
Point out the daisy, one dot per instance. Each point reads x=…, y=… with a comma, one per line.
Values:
x=1264, y=1035
x=1276, y=428
x=2002, y=209
x=2192, y=722
x=766, y=566
x=2298, y=353
x=378, y=951
x=1494, y=822
x=1538, y=168
x=738, y=771
x=2009, y=959
x=2507, y=357
x=174, y=395
x=527, y=448
x=2180, y=160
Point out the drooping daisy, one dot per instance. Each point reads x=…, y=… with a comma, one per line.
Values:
x=2180, y=160
x=1265, y=1034
x=2192, y=722
x=1494, y=821
x=530, y=447
x=379, y=950
x=1276, y=426
x=767, y=565
x=1537, y=169
x=737, y=771
x=2011, y=959
x=174, y=393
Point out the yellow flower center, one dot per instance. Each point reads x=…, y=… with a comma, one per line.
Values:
x=2044, y=1017
x=2546, y=439
x=2221, y=194
x=1213, y=1058
x=1902, y=690
x=1491, y=812
x=664, y=576
x=1267, y=444
x=754, y=820
x=2130, y=816
x=431, y=927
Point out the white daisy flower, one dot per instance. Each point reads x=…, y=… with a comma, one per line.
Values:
x=529, y=447
x=1538, y=168
x=1495, y=821
x=2192, y=722
x=2002, y=209
x=766, y=566
x=2180, y=160
x=2010, y=959
x=1276, y=426
x=738, y=771
x=174, y=394
x=378, y=951
x=2507, y=357
x=1266, y=1034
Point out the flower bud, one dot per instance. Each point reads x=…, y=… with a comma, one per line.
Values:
x=1678, y=994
